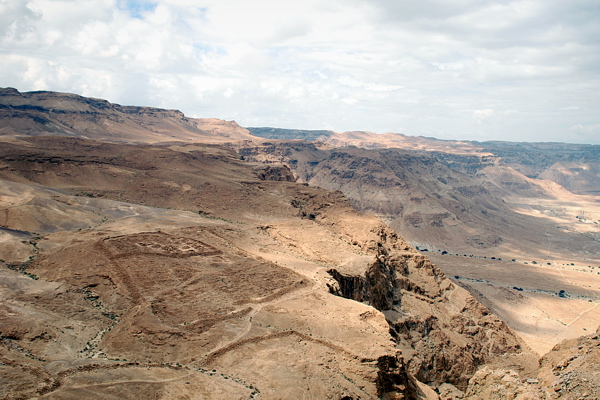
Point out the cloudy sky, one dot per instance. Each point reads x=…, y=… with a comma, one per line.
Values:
x=524, y=70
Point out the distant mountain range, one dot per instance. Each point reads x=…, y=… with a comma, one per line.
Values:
x=467, y=197
x=51, y=113
x=574, y=166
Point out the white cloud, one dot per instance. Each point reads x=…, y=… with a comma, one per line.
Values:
x=483, y=113
x=431, y=67
x=586, y=130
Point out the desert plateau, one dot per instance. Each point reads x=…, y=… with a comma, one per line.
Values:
x=148, y=255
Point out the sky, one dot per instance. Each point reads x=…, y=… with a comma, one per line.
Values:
x=522, y=70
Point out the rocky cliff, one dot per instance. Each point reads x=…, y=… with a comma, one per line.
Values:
x=51, y=113
x=444, y=333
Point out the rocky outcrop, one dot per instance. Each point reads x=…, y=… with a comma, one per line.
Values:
x=395, y=383
x=275, y=173
x=445, y=333
x=378, y=287
x=572, y=369
x=500, y=384
x=469, y=164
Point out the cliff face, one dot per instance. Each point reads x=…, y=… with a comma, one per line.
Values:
x=569, y=371
x=448, y=339
x=52, y=113
x=444, y=333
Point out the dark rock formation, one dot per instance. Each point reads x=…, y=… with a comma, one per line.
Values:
x=445, y=333
x=276, y=173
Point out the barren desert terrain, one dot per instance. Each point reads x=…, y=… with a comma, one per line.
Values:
x=459, y=199
x=145, y=254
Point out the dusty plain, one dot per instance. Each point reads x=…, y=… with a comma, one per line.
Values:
x=544, y=304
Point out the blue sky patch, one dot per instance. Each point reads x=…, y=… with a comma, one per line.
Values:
x=137, y=7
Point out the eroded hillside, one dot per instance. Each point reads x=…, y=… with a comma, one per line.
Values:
x=528, y=249
x=230, y=285
x=65, y=114
x=466, y=203
x=180, y=270
x=573, y=166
